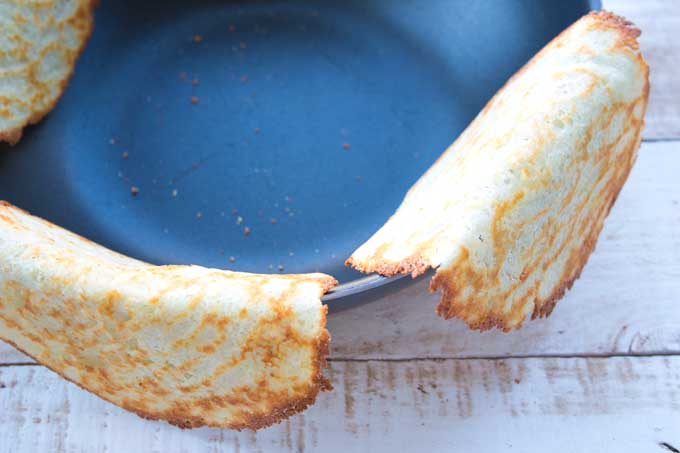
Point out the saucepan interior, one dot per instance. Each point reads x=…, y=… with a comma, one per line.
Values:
x=265, y=136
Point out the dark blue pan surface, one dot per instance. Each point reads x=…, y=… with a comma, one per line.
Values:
x=312, y=119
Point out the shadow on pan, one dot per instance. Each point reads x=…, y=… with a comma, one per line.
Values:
x=265, y=136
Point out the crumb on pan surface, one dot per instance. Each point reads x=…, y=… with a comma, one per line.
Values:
x=186, y=344
x=510, y=213
x=40, y=45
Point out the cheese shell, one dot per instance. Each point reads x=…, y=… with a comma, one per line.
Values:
x=509, y=214
x=186, y=344
x=41, y=41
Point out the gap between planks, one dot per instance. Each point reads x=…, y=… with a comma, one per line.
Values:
x=464, y=358
x=661, y=140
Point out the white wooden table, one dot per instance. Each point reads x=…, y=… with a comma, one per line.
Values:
x=601, y=374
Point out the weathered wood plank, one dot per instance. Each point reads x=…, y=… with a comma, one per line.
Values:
x=659, y=21
x=625, y=302
x=530, y=405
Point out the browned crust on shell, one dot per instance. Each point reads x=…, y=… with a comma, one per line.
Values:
x=279, y=413
x=627, y=28
x=327, y=283
x=417, y=264
x=12, y=136
x=542, y=307
x=10, y=205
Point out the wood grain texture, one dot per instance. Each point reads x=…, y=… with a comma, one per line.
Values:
x=659, y=21
x=529, y=405
x=626, y=301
